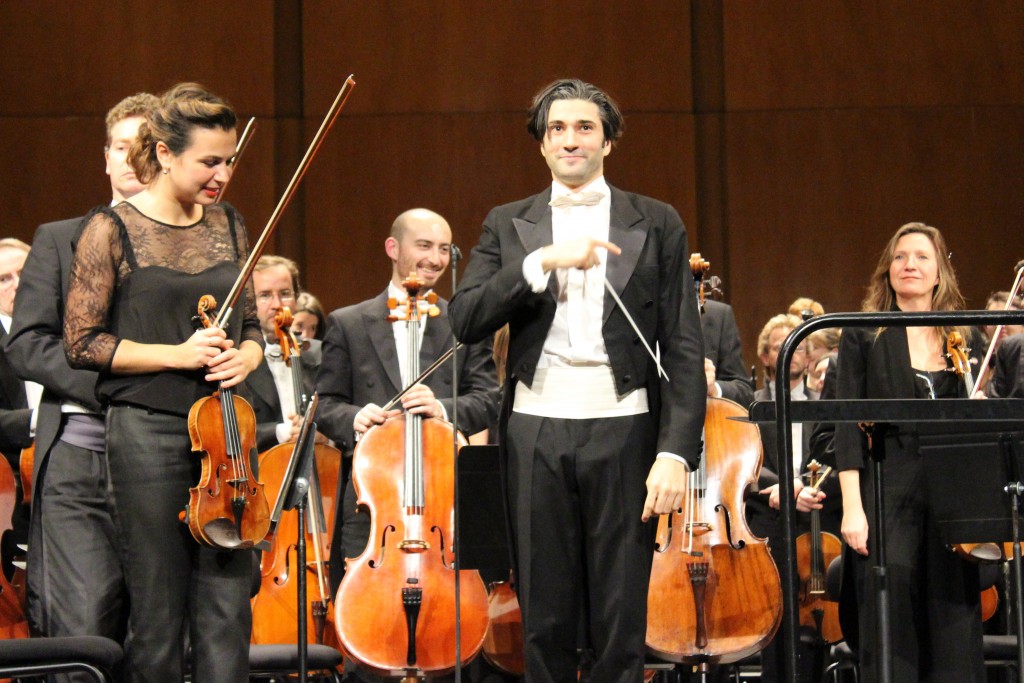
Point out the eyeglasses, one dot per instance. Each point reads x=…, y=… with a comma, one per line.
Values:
x=283, y=295
x=800, y=349
x=10, y=279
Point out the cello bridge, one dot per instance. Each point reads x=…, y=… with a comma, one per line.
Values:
x=414, y=546
x=698, y=528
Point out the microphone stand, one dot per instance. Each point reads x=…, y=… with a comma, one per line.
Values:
x=456, y=256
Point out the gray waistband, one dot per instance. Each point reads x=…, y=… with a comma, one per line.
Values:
x=85, y=431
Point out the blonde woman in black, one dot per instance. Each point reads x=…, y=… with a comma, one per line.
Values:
x=139, y=269
x=935, y=617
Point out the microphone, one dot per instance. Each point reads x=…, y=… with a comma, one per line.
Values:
x=456, y=254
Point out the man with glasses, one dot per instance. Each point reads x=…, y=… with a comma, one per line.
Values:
x=276, y=283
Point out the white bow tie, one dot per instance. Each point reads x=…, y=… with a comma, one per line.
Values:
x=584, y=199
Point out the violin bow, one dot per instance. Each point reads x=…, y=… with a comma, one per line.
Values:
x=261, y=243
x=423, y=375
x=1014, y=291
x=243, y=142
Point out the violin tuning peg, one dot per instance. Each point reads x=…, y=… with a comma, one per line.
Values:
x=433, y=311
x=432, y=298
x=392, y=303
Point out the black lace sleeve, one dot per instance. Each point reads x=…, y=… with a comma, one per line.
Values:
x=94, y=272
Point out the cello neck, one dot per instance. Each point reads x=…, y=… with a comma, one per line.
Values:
x=414, y=494
x=410, y=311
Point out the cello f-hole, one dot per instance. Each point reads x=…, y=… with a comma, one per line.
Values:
x=738, y=545
x=379, y=560
x=283, y=579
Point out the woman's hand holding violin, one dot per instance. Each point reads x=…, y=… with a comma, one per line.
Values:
x=200, y=350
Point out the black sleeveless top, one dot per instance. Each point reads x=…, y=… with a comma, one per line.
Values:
x=138, y=279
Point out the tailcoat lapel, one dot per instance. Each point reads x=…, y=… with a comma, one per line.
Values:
x=534, y=231
x=628, y=230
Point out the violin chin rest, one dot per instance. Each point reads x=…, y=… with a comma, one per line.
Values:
x=223, y=533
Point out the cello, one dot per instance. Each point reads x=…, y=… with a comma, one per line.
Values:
x=395, y=610
x=503, y=643
x=274, y=609
x=715, y=596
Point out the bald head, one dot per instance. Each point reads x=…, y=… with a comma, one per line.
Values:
x=420, y=242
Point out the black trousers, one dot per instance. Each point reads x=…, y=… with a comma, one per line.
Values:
x=174, y=583
x=933, y=594
x=576, y=490
x=75, y=583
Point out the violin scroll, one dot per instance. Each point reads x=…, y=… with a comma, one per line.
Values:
x=956, y=351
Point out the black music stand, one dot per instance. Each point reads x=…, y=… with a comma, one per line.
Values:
x=984, y=507
x=293, y=496
x=482, y=528
x=975, y=508
x=784, y=412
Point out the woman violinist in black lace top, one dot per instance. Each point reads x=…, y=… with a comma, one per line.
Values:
x=933, y=594
x=139, y=270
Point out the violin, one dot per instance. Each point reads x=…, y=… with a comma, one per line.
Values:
x=228, y=507
x=274, y=609
x=13, y=623
x=395, y=610
x=715, y=594
x=989, y=603
x=957, y=350
x=815, y=551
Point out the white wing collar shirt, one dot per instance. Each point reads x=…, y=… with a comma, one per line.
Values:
x=574, y=377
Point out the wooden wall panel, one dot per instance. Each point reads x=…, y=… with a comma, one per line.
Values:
x=50, y=169
x=873, y=53
x=815, y=195
x=63, y=65
x=82, y=57
x=453, y=56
